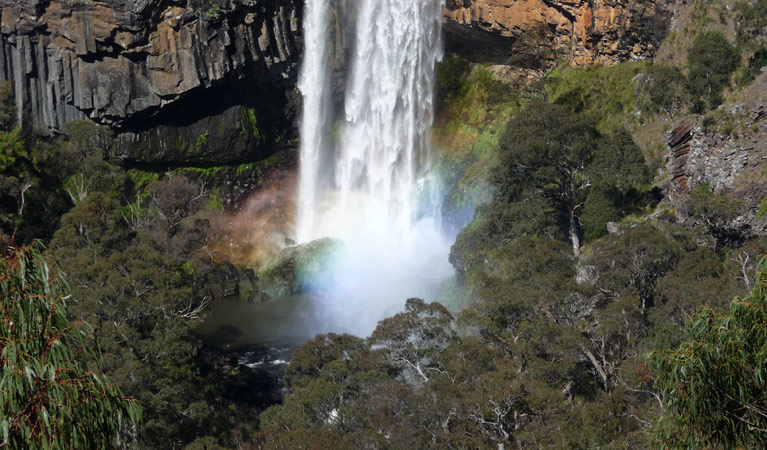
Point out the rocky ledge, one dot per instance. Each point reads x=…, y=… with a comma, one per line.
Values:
x=587, y=32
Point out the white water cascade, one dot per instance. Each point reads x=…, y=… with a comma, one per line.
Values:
x=366, y=175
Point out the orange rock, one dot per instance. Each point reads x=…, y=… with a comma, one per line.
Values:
x=591, y=32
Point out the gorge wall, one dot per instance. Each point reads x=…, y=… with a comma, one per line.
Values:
x=189, y=82
x=212, y=82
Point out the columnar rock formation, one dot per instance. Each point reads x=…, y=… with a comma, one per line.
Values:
x=115, y=59
x=726, y=151
x=206, y=82
x=587, y=31
x=122, y=62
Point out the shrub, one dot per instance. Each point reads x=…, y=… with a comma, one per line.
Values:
x=711, y=60
x=665, y=90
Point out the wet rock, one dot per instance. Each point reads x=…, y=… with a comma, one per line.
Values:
x=228, y=281
x=298, y=269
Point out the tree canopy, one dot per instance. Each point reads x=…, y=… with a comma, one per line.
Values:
x=53, y=393
x=710, y=60
x=715, y=383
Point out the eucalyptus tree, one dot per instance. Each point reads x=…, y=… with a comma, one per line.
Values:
x=52, y=393
x=715, y=383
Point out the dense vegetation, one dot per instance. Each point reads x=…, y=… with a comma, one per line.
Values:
x=53, y=393
x=130, y=244
x=592, y=317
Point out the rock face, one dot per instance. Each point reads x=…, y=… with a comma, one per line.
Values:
x=725, y=150
x=587, y=31
x=298, y=269
x=212, y=82
x=141, y=65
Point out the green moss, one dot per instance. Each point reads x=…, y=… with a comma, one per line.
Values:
x=762, y=212
x=181, y=144
x=214, y=203
x=202, y=141
x=187, y=267
x=205, y=172
x=250, y=116
x=141, y=179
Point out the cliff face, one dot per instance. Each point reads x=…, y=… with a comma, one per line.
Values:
x=210, y=82
x=185, y=81
x=587, y=31
x=725, y=150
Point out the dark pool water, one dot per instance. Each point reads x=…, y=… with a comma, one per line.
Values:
x=237, y=325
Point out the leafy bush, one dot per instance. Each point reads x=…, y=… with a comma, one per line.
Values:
x=665, y=90
x=554, y=157
x=7, y=108
x=716, y=213
x=751, y=22
x=53, y=395
x=755, y=64
x=451, y=76
x=711, y=60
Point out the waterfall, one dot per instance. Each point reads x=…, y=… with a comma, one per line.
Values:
x=366, y=176
x=314, y=84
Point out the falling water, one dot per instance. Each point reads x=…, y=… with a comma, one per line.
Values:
x=366, y=176
x=314, y=84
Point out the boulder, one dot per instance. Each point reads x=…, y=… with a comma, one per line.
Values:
x=298, y=269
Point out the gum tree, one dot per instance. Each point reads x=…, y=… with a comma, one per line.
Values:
x=715, y=383
x=53, y=395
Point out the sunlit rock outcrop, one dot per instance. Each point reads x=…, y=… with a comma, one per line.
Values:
x=588, y=32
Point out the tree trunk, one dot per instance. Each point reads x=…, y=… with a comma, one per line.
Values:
x=574, y=234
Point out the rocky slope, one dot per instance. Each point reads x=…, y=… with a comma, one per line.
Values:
x=187, y=82
x=587, y=31
x=724, y=150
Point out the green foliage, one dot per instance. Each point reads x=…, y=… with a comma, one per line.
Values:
x=714, y=383
x=13, y=149
x=632, y=262
x=496, y=91
x=451, y=75
x=711, y=59
x=7, y=106
x=751, y=22
x=755, y=64
x=554, y=156
x=664, y=89
x=762, y=211
x=716, y=213
x=607, y=94
x=412, y=339
x=53, y=394
x=133, y=269
x=598, y=209
x=201, y=142
x=252, y=120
